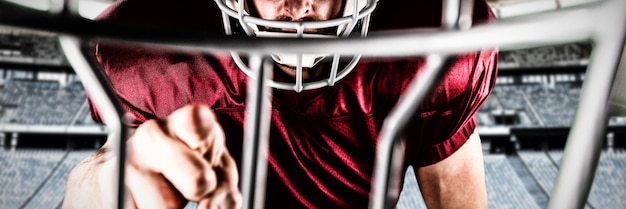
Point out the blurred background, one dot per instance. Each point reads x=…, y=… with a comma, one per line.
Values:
x=46, y=129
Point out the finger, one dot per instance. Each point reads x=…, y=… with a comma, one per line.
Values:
x=224, y=200
x=227, y=194
x=223, y=197
x=228, y=171
x=231, y=175
x=197, y=127
x=154, y=150
x=218, y=145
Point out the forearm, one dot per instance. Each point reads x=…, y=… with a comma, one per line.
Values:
x=169, y=161
x=83, y=187
x=84, y=184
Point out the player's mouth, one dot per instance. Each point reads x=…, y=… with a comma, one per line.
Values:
x=307, y=73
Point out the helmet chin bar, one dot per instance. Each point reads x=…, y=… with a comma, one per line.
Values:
x=298, y=85
x=306, y=60
x=355, y=20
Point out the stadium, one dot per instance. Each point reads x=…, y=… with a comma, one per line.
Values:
x=46, y=126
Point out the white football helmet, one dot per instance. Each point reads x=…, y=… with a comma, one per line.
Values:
x=355, y=20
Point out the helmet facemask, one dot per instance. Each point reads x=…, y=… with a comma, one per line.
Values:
x=353, y=22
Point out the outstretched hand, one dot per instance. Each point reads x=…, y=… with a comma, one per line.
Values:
x=179, y=158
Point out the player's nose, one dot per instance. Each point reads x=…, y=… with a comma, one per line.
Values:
x=298, y=9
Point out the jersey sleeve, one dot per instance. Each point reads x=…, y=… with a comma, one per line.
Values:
x=136, y=73
x=445, y=119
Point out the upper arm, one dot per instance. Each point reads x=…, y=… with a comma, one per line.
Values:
x=457, y=181
x=444, y=147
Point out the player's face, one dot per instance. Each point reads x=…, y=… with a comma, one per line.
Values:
x=299, y=10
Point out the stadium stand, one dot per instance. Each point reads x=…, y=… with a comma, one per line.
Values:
x=43, y=103
x=555, y=105
x=609, y=185
x=542, y=168
x=30, y=47
x=513, y=99
x=572, y=54
x=23, y=171
x=51, y=193
x=536, y=105
x=504, y=189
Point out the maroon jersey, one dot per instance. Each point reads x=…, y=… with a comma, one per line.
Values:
x=323, y=141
